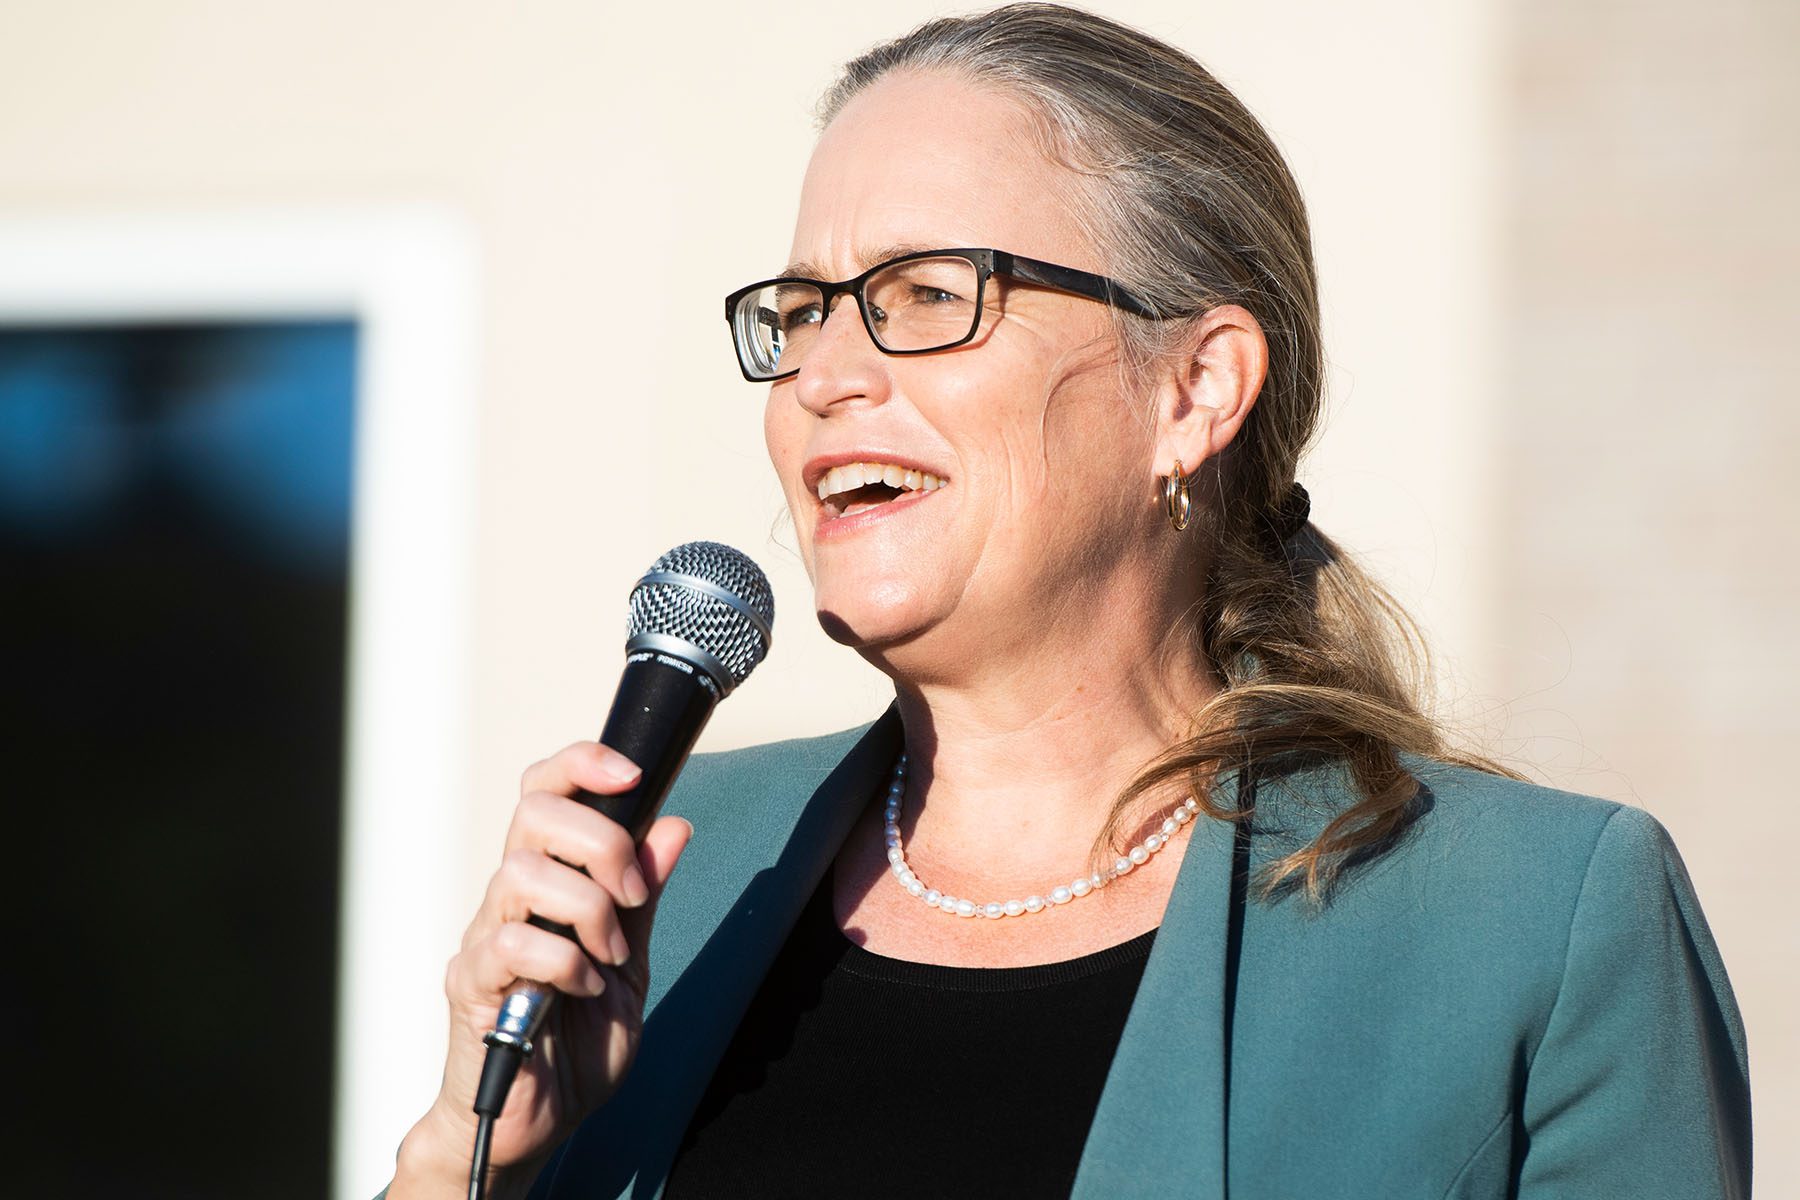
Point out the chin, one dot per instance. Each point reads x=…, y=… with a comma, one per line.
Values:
x=870, y=616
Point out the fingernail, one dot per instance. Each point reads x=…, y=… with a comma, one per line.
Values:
x=617, y=767
x=621, y=948
x=636, y=890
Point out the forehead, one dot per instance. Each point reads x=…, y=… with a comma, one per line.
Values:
x=930, y=159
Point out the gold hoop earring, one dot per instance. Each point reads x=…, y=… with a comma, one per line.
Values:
x=1175, y=497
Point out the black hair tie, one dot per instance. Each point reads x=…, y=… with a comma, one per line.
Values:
x=1289, y=516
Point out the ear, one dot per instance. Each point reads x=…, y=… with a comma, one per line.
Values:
x=1206, y=394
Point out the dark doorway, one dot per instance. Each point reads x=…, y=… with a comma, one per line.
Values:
x=174, y=565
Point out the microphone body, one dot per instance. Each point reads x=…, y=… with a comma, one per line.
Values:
x=700, y=622
x=657, y=714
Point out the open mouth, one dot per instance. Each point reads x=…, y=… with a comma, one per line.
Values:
x=858, y=487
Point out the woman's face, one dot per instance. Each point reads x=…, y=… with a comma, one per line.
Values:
x=1048, y=490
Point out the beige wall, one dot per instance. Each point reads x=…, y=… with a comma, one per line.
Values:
x=1555, y=290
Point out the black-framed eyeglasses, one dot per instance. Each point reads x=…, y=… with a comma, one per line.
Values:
x=913, y=304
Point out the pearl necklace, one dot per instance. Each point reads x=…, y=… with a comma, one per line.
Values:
x=1081, y=885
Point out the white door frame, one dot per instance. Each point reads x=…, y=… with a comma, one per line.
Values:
x=407, y=276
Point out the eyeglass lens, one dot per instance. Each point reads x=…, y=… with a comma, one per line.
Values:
x=919, y=304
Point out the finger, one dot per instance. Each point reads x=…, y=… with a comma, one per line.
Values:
x=493, y=966
x=530, y=883
x=588, y=765
x=663, y=846
x=577, y=835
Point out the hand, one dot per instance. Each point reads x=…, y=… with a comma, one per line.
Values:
x=566, y=862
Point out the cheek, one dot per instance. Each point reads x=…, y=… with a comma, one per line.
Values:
x=1055, y=418
x=1069, y=440
x=1079, y=492
x=774, y=436
x=785, y=439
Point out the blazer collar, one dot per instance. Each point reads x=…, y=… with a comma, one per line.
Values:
x=716, y=937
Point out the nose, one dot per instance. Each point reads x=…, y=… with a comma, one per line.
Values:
x=843, y=366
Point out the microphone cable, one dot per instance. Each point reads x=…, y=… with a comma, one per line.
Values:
x=498, y=1070
x=484, y=1135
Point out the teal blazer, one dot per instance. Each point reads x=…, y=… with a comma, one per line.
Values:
x=1521, y=999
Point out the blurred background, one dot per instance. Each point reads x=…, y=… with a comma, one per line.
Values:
x=324, y=477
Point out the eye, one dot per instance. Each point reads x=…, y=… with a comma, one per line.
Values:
x=935, y=295
x=799, y=316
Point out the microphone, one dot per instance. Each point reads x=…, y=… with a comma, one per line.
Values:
x=700, y=620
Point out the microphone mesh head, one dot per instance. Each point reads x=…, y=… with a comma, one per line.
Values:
x=686, y=608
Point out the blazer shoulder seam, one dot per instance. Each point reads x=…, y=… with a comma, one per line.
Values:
x=1562, y=979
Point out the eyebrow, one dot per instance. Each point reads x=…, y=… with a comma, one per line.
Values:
x=867, y=259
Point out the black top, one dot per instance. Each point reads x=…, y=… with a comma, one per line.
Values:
x=856, y=1074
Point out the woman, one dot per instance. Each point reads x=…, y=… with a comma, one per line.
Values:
x=1155, y=880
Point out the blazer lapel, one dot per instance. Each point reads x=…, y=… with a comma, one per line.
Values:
x=1162, y=1112
x=716, y=936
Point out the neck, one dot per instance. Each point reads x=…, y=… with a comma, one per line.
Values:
x=1013, y=774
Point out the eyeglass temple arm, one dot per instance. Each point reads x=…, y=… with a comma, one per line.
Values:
x=1068, y=279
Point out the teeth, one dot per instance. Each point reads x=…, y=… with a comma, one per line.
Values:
x=851, y=476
